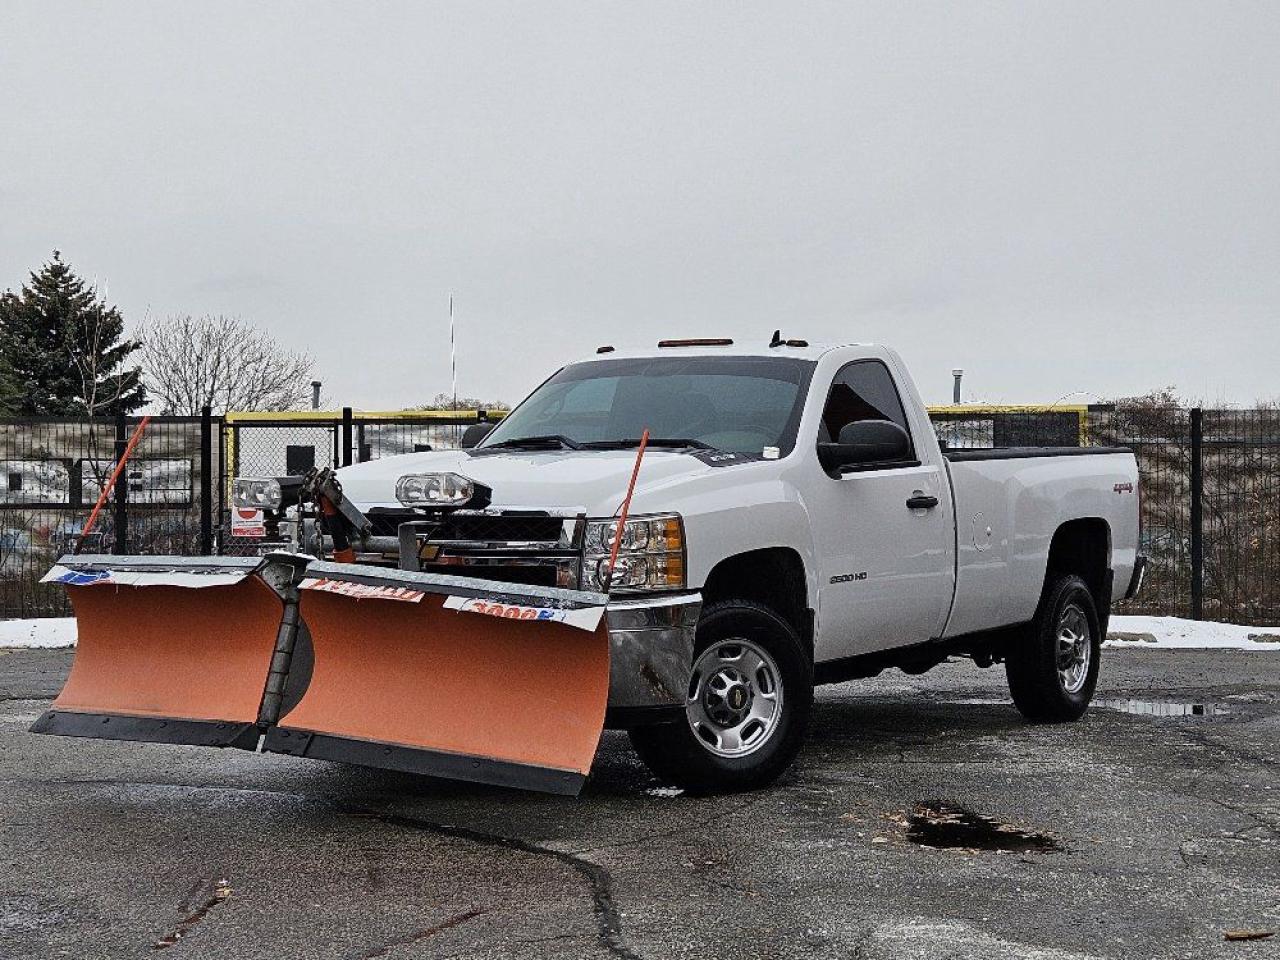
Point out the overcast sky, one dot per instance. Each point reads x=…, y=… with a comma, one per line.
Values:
x=1057, y=197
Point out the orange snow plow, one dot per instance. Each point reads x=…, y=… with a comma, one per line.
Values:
x=469, y=679
x=169, y=649
x=454, y=677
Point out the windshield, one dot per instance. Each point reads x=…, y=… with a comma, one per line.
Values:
x=738, y=404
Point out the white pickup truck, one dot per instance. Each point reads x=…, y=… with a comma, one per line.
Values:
x=795, y=522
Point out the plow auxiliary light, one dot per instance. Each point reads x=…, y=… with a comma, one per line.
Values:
x=257, y=493
x=434, y=490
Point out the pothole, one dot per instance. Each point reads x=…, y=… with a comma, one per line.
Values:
x=948, y=827
x=1163, y=708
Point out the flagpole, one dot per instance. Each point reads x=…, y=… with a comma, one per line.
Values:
x=453, y=362
x=453, y=356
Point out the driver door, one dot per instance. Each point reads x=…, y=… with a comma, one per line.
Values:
x=886, y=568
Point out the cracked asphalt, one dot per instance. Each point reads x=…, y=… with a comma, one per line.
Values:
x=1169, y=828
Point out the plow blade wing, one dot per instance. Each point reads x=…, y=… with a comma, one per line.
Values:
x=473, y=680
x=170, y=650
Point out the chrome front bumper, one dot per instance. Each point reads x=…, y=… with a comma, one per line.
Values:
x=650, y=654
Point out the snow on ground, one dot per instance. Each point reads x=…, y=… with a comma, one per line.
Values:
x=1173, y=632
x=45, y=632
x=1165, y=633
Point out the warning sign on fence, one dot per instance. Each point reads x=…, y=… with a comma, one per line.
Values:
x=248, y=523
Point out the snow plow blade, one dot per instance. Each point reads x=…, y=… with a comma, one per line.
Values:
x=453, y=677
x=169, y=649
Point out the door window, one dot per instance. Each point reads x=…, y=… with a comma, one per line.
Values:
x=862, y=390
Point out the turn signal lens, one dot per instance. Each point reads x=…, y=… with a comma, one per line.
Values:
x=650, y=556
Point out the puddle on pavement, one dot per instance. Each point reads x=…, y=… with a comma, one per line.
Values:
x=1143, y=708
x=1162, y=708
x=948, y=827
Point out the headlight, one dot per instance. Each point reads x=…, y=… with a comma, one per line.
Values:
x=256, y=493
x=650, y=557
x=434, y=490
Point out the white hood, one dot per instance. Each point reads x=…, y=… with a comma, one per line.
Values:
x=594, y=481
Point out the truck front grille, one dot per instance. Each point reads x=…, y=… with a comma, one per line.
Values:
x=386, y=523
x=506, y=528
x=519, y=546
x=535, y=575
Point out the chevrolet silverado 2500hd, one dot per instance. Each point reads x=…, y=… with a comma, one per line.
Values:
x=795, y=522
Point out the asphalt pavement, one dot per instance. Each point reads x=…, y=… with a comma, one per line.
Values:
x=923, y=820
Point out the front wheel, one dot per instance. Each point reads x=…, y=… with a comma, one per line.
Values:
x=1052, y=673
x=746, y=705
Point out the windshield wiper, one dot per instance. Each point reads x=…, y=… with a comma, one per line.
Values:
x=553, y=441
x=679, y=443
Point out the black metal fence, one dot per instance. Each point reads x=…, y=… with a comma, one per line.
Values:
x=52, y=473
x=174, y=494
x=1210, y=508
x=1210, y=487
x=1210, y=494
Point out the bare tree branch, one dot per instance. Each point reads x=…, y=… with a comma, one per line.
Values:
x=221, y=362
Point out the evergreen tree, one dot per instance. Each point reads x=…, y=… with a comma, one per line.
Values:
x=10, y=392
x=64, y=349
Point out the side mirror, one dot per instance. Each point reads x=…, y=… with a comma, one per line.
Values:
x=865, y=443
x=475, y=433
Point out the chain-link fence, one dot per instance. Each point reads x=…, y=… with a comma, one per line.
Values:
x=287, y=444
x=290, y=444
x=978, y=427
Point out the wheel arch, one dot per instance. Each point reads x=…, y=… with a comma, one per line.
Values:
x=1083, y=547
x=773, y=576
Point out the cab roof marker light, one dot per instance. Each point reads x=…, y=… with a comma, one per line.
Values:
x=698, y=342
x=777, y=341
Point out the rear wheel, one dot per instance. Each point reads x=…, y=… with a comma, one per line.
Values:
x=746, y=705
x=1052, y=673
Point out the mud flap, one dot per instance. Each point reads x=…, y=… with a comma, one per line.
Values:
x=170, y=650
x=447, y=676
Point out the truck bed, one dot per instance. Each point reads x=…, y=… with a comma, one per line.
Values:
x=1009, y=502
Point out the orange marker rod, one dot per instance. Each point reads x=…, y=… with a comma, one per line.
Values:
x=111, y=482
x=626, y=507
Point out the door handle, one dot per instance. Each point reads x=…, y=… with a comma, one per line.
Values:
x=922, y=502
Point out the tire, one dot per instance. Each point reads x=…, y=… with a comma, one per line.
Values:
x=1048, y=681
x=692, y=760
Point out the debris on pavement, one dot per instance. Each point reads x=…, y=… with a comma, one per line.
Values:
x=1248, y=934
x=221, y=890
x=665, y=793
